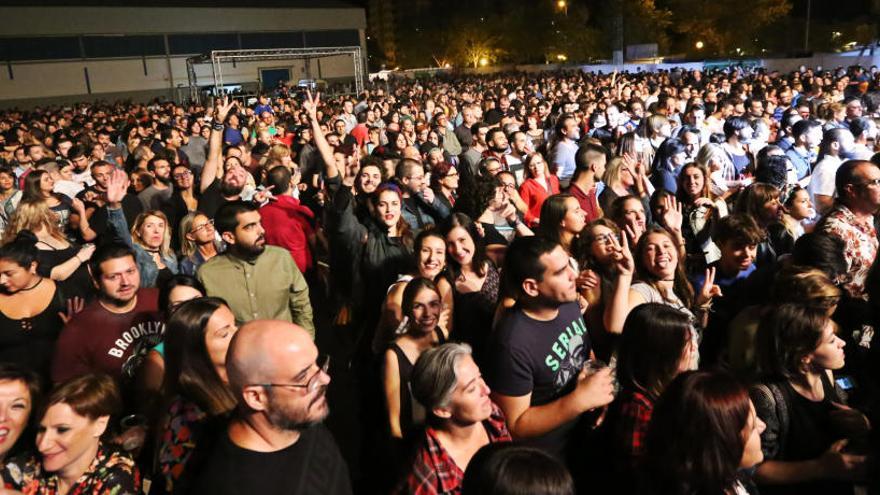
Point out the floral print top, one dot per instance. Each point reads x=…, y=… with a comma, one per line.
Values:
x=185, y=422
x=861, y=246
x=112, y=472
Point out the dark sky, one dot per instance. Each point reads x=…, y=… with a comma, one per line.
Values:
x=185, y=3
x=822, y=9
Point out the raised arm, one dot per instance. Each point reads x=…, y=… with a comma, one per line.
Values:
x=115, y=217
x=623, y=299
x=311, y=106
x=214, y=162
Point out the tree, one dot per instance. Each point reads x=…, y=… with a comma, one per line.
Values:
x=722, y=24
x=474, y=40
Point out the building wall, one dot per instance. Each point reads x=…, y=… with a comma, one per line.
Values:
x=29, y=21
x=68, y=54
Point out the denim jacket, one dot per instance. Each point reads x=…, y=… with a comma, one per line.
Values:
x=147, y=267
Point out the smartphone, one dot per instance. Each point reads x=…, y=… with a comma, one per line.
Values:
x=845, y=383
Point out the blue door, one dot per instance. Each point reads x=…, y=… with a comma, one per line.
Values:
x=269, y=78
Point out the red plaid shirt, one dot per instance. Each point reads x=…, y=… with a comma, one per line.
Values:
x=434, y=472
x=635, y=414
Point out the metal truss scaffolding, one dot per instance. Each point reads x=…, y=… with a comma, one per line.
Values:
x=218, y=57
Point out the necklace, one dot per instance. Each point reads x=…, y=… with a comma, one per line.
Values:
x=33, y=286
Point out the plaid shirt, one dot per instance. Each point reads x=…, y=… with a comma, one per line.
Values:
x=635, y=414
x=434, y=471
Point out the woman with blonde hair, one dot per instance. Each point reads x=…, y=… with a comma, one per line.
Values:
x=57, y=258
x=624, y=176
x=280, y=154
x=198, y=241
x=150, y=236
x=715, y=160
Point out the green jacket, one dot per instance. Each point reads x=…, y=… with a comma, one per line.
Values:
x=270, y=287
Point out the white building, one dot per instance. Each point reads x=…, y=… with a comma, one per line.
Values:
x=106, y=50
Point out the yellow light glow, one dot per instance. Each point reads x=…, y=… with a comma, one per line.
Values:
x=561, y=4
x=484, y=62
x=561, y=57
x=699, y=45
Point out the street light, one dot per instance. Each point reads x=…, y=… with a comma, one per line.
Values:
x=563, y=6
x=699, y=45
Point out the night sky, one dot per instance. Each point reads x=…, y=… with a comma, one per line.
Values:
x=822, y=9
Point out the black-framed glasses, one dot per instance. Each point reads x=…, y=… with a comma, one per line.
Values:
x=207, y=225
x=312, y=384
x=183, y=175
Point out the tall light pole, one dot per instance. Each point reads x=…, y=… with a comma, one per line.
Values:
x=807, y=28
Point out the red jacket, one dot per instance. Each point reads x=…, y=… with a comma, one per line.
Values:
x=534, y=194
x=288, y=224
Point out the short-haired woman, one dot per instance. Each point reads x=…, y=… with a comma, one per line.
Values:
x=461, y=419
x=73, y=458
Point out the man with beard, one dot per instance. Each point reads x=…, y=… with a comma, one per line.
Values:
x=497, y=145
x=222, y=180
x=123, y=321
x=153, y=197
x=256, y=280
x=275, y=442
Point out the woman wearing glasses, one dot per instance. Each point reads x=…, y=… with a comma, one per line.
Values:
x=196, y=387
x=182, y=201
x=198, y=242
x=444, y=182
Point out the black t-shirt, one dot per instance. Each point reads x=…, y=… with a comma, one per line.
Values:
x=311, y=466
x=131, y=208
x=211, y=200
x=542, y=358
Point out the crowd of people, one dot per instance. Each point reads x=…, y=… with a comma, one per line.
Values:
x=556, y=283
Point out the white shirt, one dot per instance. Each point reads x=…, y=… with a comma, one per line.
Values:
x=862, y=152
x=822, y=179
x=68, y=188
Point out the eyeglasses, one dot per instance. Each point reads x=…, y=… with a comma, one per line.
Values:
x=452, y=173
x=207, y=225
x=603, y=238
x=183, y=175
x=312, y=384
x=872, y=182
